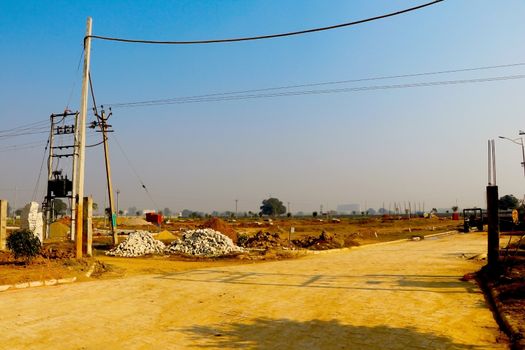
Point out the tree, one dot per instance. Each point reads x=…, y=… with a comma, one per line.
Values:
x=272, y=206
x=59, y=207
x=508, y=202
x=186, y=213
x=314, y=214
x=371, y=211
x=95, y=206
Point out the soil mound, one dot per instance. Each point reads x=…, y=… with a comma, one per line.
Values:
x=165, y=235
x=324, y=241
x=58, y=230
x=221, y=226
x=134, y=221
x=263, y=240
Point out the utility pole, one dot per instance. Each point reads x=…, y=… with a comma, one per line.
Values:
x=104, y=129
x=492, y=211
x=288, y=207
x=74, y=178
x=118, y=192
x=81, y=145
x=50, y=173
x=236, y=201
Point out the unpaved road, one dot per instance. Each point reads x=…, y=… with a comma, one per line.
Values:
x=397, y=296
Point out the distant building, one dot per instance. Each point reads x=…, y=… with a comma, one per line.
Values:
x=348, y=208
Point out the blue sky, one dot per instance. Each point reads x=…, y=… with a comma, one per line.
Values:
x=424, y=144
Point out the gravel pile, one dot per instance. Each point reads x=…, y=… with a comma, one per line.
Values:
x=138, y=243
x=203, y=242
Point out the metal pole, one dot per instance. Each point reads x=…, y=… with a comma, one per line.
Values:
x=82, y=140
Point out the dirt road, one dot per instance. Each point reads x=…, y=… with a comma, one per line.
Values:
x=397, y=296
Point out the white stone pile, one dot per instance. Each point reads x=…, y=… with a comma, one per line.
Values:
x=138, y=243
x=203, y=242
x=32, y=220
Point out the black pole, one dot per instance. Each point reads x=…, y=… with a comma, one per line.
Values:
x=493, y=228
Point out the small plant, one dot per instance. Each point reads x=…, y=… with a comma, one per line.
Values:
x=24, y=244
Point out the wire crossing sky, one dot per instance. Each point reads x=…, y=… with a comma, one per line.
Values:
x=396, y=110
x=270, y=36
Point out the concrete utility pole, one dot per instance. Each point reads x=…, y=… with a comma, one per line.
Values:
x=113, y=218
x=82, y=141
x=236, y=201
x=74, y=178
x=50, y=173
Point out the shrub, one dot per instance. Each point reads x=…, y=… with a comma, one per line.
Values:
x=24, y=244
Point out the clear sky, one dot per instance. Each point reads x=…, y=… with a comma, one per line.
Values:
x=423, y=144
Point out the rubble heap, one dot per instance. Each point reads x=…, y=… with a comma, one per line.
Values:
x=138, y=243
x=203, y=242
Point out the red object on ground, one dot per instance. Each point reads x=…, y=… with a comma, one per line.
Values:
x=154, y=218
x=455, y=216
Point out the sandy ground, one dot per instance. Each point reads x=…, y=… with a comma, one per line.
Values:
x=396, y=296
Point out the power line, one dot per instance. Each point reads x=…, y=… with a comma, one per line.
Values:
x=135, y=171
x=270, y=36
x=40, y=172
x=324, y=91
x=15, y=147
x=184, y=98
x=25, y=127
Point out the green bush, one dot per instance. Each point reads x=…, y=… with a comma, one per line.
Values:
x=24, y=244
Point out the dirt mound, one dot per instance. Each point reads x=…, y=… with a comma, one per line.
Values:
x=134, y=221
x=263, y=240
x=58, y=230
x=222, y=227
x=324, y=241
x=62, y=250
x=165, y=235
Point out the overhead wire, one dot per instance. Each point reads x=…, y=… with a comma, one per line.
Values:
x=135, y=171
x=22, y=146
x=286, y=87
x=40, y=172
x=319, y=91
x=269, y=36
x=75, y=80
x=26, y=126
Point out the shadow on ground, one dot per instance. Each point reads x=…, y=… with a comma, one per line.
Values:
x=397, y=283
x=264, y=333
